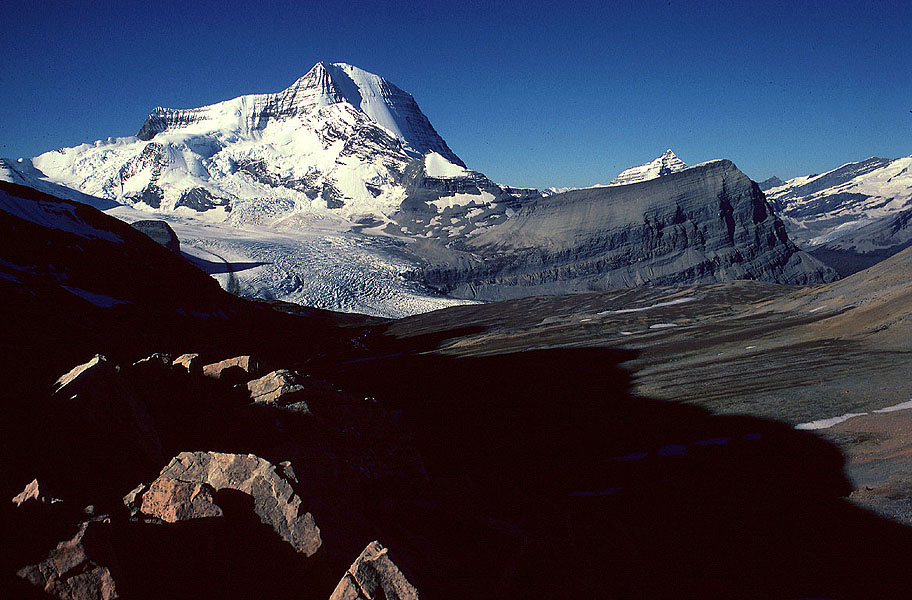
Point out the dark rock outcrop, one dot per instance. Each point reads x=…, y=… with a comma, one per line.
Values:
x=185, y=487
x=373, y=576
x=97, y=415
x=708, y=223
x=161, y=232
x=72, y=571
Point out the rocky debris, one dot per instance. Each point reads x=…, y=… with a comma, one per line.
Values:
x=184, y=489
x=282, y=388
x=160, y=232
x=33, y=492
x=190, y=362
x=71, y=570
x=219, y=370
x=374, y=576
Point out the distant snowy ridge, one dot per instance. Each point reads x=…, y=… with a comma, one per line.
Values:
x=818, y=209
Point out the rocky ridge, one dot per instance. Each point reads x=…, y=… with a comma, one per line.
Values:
x=707, y=223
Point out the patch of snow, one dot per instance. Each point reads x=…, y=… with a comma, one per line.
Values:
x=901, y=406
x=827, y=423
x=53, y=215
x=437, y=166
x=663, y=325
x=642, y=308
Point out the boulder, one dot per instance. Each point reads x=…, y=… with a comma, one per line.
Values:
x=374, y=576
x=172, y=500
x=160, y=232
x=184, y=490
x=281, y=388
x=98, y=415
x=218, y=370
x=71, y=572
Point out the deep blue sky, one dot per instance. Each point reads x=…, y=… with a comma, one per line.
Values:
x=530, y=93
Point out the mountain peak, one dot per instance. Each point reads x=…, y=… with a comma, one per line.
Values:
x=324, y=84
x=665, y=164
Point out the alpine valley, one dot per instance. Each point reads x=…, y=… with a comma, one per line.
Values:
x=290, y=345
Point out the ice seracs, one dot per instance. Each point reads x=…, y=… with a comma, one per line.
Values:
x=663, y=165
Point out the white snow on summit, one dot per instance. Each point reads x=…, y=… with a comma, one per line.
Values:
x=338, y=140
x=665, y=164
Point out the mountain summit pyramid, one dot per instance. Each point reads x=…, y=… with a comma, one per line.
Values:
x=663, y=165
x=324, y=85
x=339, y=139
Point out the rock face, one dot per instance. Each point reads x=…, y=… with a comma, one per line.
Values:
x=184, y=489
x=373, y=576
x=70, y=571
x=664, y=165
x=280, y=387
x=161, y=232
x=708, y=223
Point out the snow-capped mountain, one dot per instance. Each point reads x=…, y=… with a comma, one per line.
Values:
x=822, y=208
x=663, y=165
x=339, y=141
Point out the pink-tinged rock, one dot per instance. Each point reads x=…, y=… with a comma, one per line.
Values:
x=32, y=493
x=189, y=476
x=68, y=573
x=171, y=500
x=373, y=576
x=246, y=364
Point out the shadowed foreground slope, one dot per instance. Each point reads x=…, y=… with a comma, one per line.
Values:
x=519, y=473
